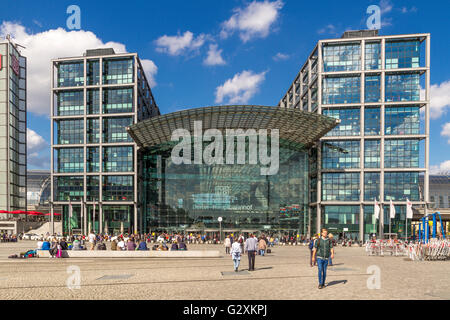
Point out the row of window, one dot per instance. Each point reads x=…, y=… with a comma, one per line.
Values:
x=347, y=57
x=115, y=71
x=72, y=131
x=398, y=121
x=114, y=188
x=398, y=87
x=398, y=186
x=115, y=159
x=115, y=100
x=346, y=154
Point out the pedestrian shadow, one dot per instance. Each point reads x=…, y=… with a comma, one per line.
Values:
x=332, y=283
x=264, y=268
x=335, y=264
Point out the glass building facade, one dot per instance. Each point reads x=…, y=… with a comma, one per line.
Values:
x=13, y=128
x=94, y=160
x=377, y=86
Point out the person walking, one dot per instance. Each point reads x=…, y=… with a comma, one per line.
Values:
x=227, y=244
x=251, y=245
x=311, y=249
x=236, y=255
x=262, y=246
x=323, y=249
x=92, y=239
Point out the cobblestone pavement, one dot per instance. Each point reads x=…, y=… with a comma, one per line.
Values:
x=283, y=274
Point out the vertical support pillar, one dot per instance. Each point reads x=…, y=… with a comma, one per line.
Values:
x=382, y=126
x=52, y=219
x=427, y=123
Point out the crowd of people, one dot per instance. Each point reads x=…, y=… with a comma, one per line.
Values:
x=5, y=237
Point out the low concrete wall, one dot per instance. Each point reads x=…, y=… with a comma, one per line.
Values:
x=133, y=254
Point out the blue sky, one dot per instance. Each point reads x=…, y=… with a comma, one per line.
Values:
x=204, y=52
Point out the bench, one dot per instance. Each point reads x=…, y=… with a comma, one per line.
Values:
x=133, y=254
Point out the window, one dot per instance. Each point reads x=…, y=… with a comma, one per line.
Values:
x=117, y=159
x=118, y=100
x=401, y=185
x=402, y=120
x=340, y=217
x=372, y=121
x=92, y=159
x=93, y=72
x=118, y=71
x=372, y=88
x=373, y=56
x=401, y=153
x=340, y=186
x=402, y=54
x=70, y=160
x=372, y=153
x=92, y=188
x=371, y=186
x=402, y=87
x=338, y=90
x=93, y=101
x=69, y=188
x=350, y=121
x=341, y=57
x=114, y=129
x=70, y=74
x=70, y=103
x=118, y=188
x=340, y=154
x=70, y=131
x=93, y=131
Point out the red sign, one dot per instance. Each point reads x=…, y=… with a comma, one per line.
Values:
x=15, y=65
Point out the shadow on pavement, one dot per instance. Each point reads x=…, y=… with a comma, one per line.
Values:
x=332, y=283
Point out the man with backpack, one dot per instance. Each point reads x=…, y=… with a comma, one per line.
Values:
x=323, y=249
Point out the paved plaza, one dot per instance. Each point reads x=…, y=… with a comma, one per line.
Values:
x=283, y=274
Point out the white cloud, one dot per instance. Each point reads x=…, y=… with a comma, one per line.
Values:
x=280, y=56
x=330, y=29
x=440, y=99
x=41, y=47
x=446, y=131
x=179, y=44
x=214, y=57
x=38, y=152
x=253, y=21
x=35, y=143
x=241, y=88
x=442, y=168
x=385, y=6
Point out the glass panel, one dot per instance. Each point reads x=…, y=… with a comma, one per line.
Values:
x=340, y=154
x=70, y=160
x=70, y=74
x=402, y=87
x=372, y=121
x=401, y=153
x=336, y=218
x=114, y=129
x=402, y=54
x=118, y=71
x=372, y=88
x=372, y=153
x=340, y=187
x=341, y=90
x=350, y=121
x=341, y=57
x=373, y=56
x=371, y=186
x=70, y=103
x=118, y=188
x=402, y=120
x=70, y=131
x=401, y=185
x=118, y=159
x=118, y=100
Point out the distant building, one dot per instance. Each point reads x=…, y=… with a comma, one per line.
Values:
x=38, y=190
x=439, y=191
x=13, y=127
